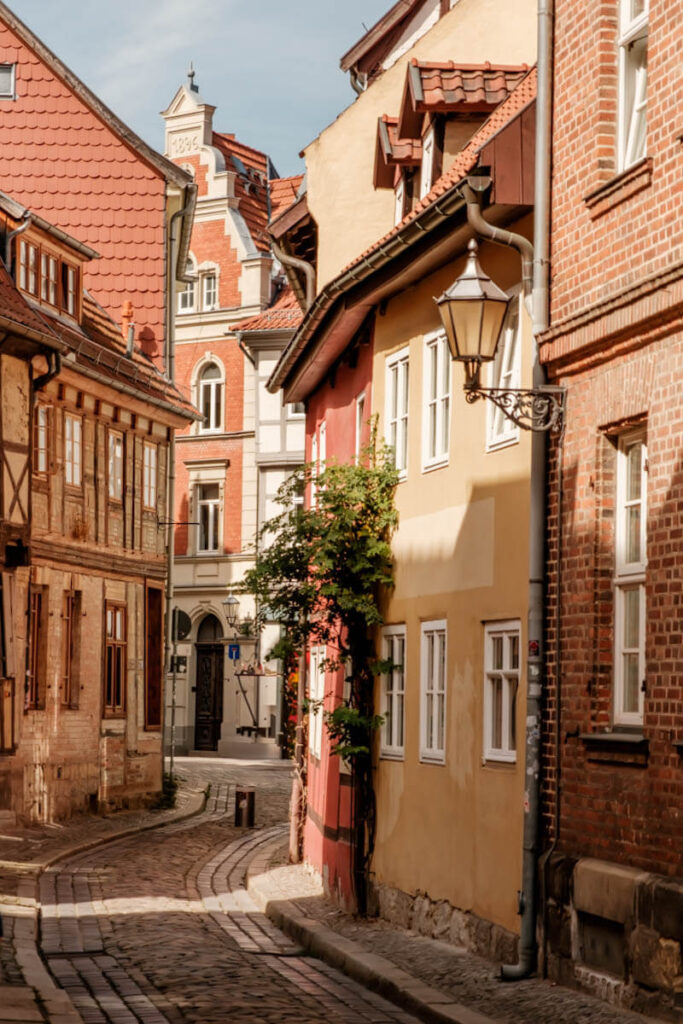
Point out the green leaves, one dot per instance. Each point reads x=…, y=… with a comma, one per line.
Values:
x=320, y=571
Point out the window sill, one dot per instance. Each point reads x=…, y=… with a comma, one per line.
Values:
x=619, y=188
x=499, y=759
x=429, y=467
x=626, y=748
x=432, y=759
x=392, y=755
x=504, y=442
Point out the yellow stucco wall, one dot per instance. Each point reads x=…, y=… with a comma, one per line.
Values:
x=454, y=831
x=340, y=161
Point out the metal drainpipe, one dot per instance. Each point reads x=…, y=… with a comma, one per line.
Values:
x=169, y=366
x=307, y=268
x=28, y=216
x=535, y=658
x=54, y=366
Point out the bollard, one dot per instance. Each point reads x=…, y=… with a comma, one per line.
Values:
x=244, y=808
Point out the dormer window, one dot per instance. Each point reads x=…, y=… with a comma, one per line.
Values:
x=45, y=276
x=7, y=82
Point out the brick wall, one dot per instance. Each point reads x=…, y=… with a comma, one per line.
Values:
x=615, y=342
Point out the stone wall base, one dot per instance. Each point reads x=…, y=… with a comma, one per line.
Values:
x=616, y=932
x=437, y=919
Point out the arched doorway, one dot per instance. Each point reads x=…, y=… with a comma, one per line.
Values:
x=208, y=715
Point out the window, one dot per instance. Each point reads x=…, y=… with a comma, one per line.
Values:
x=149, y=476
x=186, y=296
x=35, y=682
x=393, y=691
x=437, y=396
x=209, y=291
x=629, y=591
x=360, y=423
x=633, y=28
x=433, y=691
x=316, y=692
x=211, y=398
x=28, y=267
x=322, y=447
x=314, y=469
x=427, y=168
x=505, y=373
x=115, y=466
x=115, y=659
x=69, y=289
x=208, y=501
x=72, y=450
x=501, y=683
x=42, y=439
x=71, y=612
x=399, y=200
x=397, y=408
x=48, y=278
x=296, y=409
x=7, y=80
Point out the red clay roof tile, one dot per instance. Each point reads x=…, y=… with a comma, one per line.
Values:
x=283, y=192
x=284, y=314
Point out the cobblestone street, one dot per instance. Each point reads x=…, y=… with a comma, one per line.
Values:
x=158, y=927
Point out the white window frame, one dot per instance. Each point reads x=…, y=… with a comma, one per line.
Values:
x=399, y=200
x=427, y=164
x=187, y=296
x=359, y=423
x=507, y=674
x=43, y=416
x=433, y=693
x=316, y=696
x=73, y=450
x=11, y=93
x=506, y=372
x=633, y=37
x=209, y=295
x=314, y=469
x=150, y=462
x=216, y=388
x=214, y=520
x=322, y=447
x=392, y=735
x=397, y=407
x=629, y=576
x=436, y=400
x=115, y=466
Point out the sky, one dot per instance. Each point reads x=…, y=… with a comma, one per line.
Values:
x=270, y=68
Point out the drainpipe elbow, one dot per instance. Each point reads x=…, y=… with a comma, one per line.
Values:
x=522, y=969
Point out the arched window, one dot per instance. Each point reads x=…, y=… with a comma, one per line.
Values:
x=186, y=299
x=211, y=398
x=209, y=630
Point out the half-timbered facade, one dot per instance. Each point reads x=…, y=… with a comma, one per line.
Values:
x=85, y=445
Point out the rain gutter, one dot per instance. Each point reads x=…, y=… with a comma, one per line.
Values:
x=413, y=231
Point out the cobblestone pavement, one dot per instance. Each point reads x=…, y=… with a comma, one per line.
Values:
x=158, y=928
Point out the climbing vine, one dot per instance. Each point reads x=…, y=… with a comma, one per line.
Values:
x=321, y=571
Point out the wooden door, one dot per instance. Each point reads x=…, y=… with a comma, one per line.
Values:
x=209, y=696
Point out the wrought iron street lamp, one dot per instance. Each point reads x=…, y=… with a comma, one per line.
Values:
x=231, y=606
x=473, y=313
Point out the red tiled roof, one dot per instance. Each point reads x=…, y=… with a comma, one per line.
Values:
x=283, y=192
x=392, y=151
x=251, y=184
x=522, y=96
x=446, y=87
x=15, y=308
x=284, y=314
x=66, y=157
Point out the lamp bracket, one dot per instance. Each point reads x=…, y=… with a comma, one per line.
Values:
x=534, y=409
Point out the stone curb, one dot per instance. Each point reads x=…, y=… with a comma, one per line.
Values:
x=371, y=970
x=54, y=1000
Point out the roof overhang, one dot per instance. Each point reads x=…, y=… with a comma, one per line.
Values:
x=387, y=24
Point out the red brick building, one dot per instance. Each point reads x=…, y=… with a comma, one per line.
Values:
x=613, y=783
x=231, y=323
